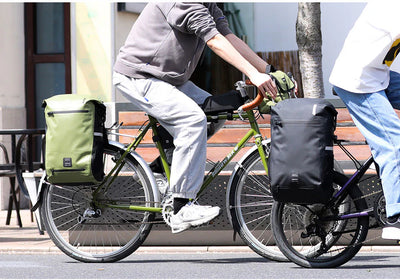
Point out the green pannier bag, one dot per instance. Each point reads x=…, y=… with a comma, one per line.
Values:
x=75, y=139
x=284, y=85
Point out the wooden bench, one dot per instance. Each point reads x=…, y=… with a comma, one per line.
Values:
x=223, y=141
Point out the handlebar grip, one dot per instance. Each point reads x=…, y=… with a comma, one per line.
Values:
x=256, y=101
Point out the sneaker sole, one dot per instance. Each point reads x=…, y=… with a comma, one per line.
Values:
x=178, y=230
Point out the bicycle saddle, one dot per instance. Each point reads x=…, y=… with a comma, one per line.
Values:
x=227, y=102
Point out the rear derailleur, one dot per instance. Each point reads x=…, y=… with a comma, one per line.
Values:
x=89, y=213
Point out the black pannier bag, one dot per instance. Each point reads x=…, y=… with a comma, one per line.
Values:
x=300, y=163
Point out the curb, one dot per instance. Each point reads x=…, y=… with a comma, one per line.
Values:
x=21, y=250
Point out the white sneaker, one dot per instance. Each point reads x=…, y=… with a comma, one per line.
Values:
x=193, y=215
x=392, y=228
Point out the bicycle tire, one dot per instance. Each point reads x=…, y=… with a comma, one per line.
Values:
x=292, y=224
x=114, y=234
x=250, y=206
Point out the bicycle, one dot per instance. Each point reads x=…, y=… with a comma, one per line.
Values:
x=328, y=235
x=109, y=221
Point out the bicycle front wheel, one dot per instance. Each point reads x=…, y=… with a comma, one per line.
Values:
x=314, y=236
x=88, y=230
x=250, y=206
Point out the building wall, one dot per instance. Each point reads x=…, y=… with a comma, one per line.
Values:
x=92, y=45
x=12, y=78
x=12, y=90
x=92, y=51
x=123, y=24
x=92, y=57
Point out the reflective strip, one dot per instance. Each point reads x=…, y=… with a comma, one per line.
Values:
x=314, y=110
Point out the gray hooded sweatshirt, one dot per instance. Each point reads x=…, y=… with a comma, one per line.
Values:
x=167, y=40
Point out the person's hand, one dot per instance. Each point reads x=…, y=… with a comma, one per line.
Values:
x=296, y=89
x=265, y=84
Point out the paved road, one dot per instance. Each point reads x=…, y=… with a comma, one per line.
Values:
x=382, y=265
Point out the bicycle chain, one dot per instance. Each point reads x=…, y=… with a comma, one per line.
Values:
x=365, y=241
x=367, y=195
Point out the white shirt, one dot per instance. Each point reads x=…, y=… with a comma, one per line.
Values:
x=371, y=46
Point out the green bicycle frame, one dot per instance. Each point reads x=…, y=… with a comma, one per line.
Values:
x=254, y=131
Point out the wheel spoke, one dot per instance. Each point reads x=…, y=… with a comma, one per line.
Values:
x=311, y=240
x=250, y=205
x=99, y=233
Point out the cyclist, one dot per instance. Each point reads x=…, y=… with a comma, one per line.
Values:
x=364, y=80
x=153, y=69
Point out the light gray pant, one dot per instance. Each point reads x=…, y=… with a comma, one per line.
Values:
x=177, y=110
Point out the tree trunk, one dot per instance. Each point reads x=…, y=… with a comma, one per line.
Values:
x=309, y=42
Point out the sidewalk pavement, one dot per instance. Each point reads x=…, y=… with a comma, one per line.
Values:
x=27, y=240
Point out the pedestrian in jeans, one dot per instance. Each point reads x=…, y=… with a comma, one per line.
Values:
x=153, y=69
x=363, y=79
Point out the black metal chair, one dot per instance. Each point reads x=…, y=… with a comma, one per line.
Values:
x=7, y=169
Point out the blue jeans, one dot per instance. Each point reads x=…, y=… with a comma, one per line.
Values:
x=375, y=117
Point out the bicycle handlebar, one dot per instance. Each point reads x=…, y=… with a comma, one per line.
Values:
x=256, y=101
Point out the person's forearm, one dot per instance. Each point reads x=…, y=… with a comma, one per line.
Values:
x=247, y=52
x=224, y=49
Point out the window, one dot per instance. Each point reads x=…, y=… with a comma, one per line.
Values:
x=48, y=56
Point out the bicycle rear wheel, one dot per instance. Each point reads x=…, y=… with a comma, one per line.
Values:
x=309, y=240
x=91, y=233
x=250, y=206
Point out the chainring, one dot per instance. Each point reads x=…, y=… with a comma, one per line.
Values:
x=380, y=210
x=167, y=209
